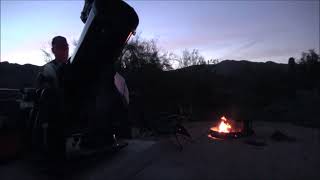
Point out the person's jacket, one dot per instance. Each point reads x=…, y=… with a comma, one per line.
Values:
x=51, y=75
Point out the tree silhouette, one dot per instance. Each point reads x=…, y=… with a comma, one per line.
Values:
x=190, y=58
x=310, y=68
x=309, y=58
x=139, y=54
x=47, y=55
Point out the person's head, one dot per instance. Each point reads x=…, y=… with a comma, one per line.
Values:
x=60, y=49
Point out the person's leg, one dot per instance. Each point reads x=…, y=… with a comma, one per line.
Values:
x=56, y=120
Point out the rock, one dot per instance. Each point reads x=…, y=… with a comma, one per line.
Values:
x=281, y=137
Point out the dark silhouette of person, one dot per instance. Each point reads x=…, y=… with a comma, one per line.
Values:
x=51, y=104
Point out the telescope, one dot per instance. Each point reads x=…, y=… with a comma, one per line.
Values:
x=109, y=24
x=89, y=89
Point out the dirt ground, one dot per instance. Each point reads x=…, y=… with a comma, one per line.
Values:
x=201, y=158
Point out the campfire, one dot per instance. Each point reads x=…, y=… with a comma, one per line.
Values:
x=227, y=128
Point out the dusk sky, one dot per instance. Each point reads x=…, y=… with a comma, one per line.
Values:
x=240, y=30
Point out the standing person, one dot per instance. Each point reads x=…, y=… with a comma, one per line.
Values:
x=51, y=104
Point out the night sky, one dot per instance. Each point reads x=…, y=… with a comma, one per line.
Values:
x=239, y=30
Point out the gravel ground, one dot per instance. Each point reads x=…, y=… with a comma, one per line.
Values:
x=202, y=158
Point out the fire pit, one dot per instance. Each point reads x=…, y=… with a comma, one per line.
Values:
x=230, y=129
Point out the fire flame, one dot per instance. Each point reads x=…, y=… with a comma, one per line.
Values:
x=224, y=126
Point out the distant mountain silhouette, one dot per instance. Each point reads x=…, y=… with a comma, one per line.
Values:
x=17, y=76
x=236, y=68
x=250, y=90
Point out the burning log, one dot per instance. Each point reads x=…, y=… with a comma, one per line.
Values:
x=227, y=128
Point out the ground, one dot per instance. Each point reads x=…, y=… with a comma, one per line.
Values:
x=203, y=158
